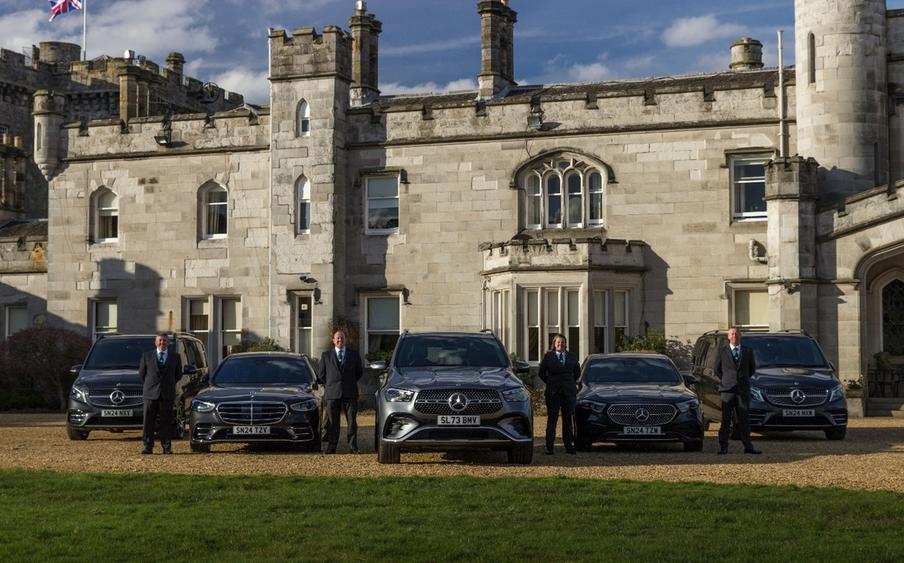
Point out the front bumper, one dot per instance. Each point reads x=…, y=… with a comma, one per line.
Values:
x=84, y=416
x=413, y=430
x=592, y=427
x=294, y=427
x=765, y=416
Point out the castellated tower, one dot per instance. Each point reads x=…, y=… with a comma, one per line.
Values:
x=310, y=82
x=842, y=92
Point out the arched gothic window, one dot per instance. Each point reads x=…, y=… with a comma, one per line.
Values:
x=303, y=119
x=893, y=318
x=106, y=216
x=213, y=204
x=302, y=205
x=563, y=192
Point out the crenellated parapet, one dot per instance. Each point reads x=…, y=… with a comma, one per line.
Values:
x=305, y=53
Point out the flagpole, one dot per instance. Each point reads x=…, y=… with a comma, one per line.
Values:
x=84, y=30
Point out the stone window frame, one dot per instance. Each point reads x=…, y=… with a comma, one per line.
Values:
x=219, y=328
x=365, y=181
x=201, y=334
x=97, y=214
x=303, y=119
x=732, y=289
x=203, y=203
x=753, y=154
x=299, y=298
x=537, y=173
x=543, y=291
x=366, y=298
x=7, y=308
x=94, y=314
x=302, y=205
x=877, y=287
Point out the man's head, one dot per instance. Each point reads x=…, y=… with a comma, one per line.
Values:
x=160, y=341
x=734, y=336
x=559, y=343
x=339, y=339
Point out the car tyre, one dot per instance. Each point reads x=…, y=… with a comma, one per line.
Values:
x=200, y=448
x=836, y=433
x=693, y=446
x=76, y=434
x=521, y=454
x=388, y=453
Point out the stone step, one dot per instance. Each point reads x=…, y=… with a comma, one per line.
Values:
x=885, y=412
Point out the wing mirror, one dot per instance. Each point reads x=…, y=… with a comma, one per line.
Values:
x=521, y=367
x=378, y=365
x=689, y=379
x=75, y=369
x=190, y=369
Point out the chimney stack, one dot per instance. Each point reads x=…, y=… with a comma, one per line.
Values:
x=365, y=54
x=746, y=54
x=497, y=58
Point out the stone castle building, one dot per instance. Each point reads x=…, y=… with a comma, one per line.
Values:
x=758, y=197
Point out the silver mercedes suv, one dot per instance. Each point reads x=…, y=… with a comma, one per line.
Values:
x=446, y=391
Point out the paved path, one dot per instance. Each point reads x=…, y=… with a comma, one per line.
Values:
x=871, y=458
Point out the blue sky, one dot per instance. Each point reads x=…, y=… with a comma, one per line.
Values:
x=426, y=45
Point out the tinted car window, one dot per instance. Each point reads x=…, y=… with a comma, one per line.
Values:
x=199, y=355
x=118, y=353
x=438, y=351
x=262, y=371
x=785, y=351
x=654, y=371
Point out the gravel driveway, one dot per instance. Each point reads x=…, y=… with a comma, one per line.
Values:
x=871, y=458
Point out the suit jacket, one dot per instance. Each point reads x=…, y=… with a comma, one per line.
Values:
x=340, y=382
x=558, y=376
x=160, y=383
x=734, y=377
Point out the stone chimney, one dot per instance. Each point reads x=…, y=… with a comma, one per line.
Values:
x=175, y=62
x=365, y=50
x=746, y=54
x=497, y=58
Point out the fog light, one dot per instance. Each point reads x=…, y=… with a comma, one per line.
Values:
x=515, y=425
x=399, y=426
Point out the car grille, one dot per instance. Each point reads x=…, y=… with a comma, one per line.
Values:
x=781, y=396
x=132, y=396
x=656, y=415
x=251, y=412
x=436, y=401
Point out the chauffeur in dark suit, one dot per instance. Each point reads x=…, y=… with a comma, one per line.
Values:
x=159, y=369
x=560, y=371
x=339, y=370
x=734, y=366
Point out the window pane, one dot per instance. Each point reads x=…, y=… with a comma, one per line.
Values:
x=596, y=182
x=573, y=299
x=533, y=344
x=574, y=340
x=383, y=314
x=533, y=185
x=107, y=200
x=16, y=320
x=383, y=218
x=232, y=314
x=552, y=308
x=216, y=195
x=596, y=207
x=621, y=308
x=304, y=215
x=108, y=227
x=751, y=308
x=305, y=323
x=198, y=315
x=753, y=197
x=599, y=308
x=599, y=340
x=534, y=200
x=305, y=312
x=533, y=308
x=750, y=170
x=216, y=219
x=575, y=209
x=382, y=186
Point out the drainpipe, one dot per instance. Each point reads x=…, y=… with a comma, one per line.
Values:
x=782, y=116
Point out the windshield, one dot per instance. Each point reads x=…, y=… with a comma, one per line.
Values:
x=259, y=371
x=646, y=371
x=785, y=351
x=118, y=353
x=450, y=351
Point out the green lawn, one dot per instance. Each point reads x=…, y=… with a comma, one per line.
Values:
x=88, y=517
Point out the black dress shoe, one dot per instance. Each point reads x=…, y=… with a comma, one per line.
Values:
x=749, y=449
x=167, y=451
x=329, y=451
x=571, y=451
x=147, y=451
x=723, y=449
x=549, y=451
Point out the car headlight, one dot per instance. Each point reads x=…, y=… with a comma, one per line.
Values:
x=304, y=406
x=516, y=395
x=685, y=406
x=394, y=395
x=757, y=394
x=198, y=405
x=595, y=406
x=79, y=393
x=837, y=393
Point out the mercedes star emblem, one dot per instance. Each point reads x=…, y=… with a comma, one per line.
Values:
x=798, y=396
x=642, y=414
x=458, y=402
x=117, y=397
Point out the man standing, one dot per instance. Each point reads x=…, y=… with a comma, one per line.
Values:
x=734, y=366
x=560, y=371
x=339, y=370
x=159, y=370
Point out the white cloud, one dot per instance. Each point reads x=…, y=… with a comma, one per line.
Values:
x=640, y=62
x=593, y=72
x=394, y=88
x=688, y=32
x=250, y=83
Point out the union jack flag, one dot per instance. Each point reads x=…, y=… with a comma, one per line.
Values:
x=58, y=7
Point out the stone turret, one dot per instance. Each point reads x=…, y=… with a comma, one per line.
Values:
x=52, y=52
x=746, y=54
x=842, y=91
x=365, y=54
x=49, y=109
x=497, y=56
x=175, y=63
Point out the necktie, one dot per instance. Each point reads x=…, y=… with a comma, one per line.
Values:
x=561, y=358
x=340, y=356
x=160, y=358
x=734, y=352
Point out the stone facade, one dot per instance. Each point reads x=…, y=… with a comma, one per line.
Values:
x=599, y=210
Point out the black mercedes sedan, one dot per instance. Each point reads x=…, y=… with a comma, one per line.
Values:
x=636, y=397
x=258, y=397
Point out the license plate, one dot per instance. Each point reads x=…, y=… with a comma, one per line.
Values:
x=116, y=412
x=643, y=430
x=250, y=430
x=458, y=420
x=798, y=412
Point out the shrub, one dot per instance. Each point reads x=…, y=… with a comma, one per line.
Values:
x=262, y=345
x=34, y=366
x=656, y=341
